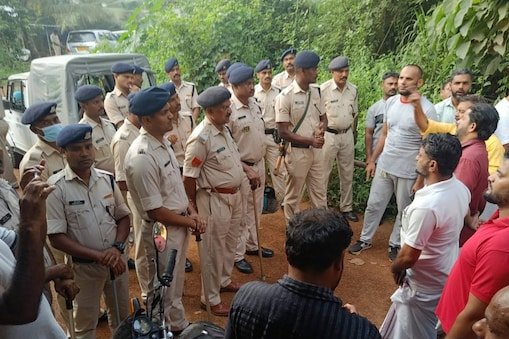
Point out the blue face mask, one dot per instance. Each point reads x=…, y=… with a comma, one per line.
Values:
x=51, y=132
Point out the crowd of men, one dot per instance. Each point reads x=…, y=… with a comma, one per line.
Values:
x=140, y=156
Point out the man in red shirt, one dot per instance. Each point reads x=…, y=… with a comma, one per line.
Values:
x=482, y=267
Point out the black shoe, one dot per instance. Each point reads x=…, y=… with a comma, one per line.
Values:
x=189, y=266
x=103, y=315
x=266, y=252
x=351, y=216
x=131, y=264
x=393, y=253
x=243, y=266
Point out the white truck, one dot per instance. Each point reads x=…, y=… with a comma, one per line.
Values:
x=56, y=79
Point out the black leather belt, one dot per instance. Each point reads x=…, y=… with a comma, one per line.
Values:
x=270, y=130
x=151, y=221
x=82, y=261
x=337, y=131
x=249, y=163
x=294, y=145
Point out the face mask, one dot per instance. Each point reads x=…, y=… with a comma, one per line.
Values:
x=51, y=132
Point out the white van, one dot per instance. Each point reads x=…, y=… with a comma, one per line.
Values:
x=82, y=42
x=56, y=79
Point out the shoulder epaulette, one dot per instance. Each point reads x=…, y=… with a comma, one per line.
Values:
x=52, y=180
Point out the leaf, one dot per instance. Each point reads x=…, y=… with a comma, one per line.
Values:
x=463, y=49
x=453, y=42
x=464, y=7
x=499, y=39
x=478, y=46
x=500, y=49
x=502, y=11
x=465, y=27
x=493, y=65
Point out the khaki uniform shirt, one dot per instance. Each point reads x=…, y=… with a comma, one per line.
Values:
x=282, y=80
x=9, y=206
x=248, y=129
x=153, y=176
x=182, y=130
x=341, y=107
x=116, y=106
x=291, y=105
x=102, y=134
x=267, y=100
x=212, y=157
x=187, y=94
x=54, y=159
x=120, y=143
x=87, y=215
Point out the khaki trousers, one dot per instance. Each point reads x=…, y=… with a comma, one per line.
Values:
x=177, y=239
x=304, y=166
x=224, y=214
x=340, y=147
x=278, y=181
x=94, y=280
x=247, y=235
x=142, y=241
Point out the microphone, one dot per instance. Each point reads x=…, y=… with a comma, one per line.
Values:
x=167, y=277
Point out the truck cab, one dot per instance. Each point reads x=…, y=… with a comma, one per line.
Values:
x=56, y=79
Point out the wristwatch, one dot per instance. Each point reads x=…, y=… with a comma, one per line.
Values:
x=119, y=245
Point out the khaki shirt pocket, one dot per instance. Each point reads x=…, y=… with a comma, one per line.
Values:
x=109, y=208
x=77, y=216
x=224, y=161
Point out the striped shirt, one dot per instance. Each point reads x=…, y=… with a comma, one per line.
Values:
x=293, y=309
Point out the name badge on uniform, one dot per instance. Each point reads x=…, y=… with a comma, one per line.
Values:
x=333, y=101
x=121, y=107
x=77, y=202
x=245, y=129
x=99, y=140
x=242, y=117
x=299, y=102
x=219, y=150
x=5, y=218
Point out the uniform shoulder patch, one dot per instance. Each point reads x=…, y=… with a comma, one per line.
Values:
x=196, y=162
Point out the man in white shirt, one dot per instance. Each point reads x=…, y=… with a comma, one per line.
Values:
x=502, y=131
x=460, y=84
x=430, y=231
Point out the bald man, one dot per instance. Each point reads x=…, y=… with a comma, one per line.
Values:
x=495, y=324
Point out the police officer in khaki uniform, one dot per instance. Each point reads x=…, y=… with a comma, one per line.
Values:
x=155, y=184
x=182, y=125
x=89, y=220
x=137, y=79
x=221, y=68
x=182, y=128
x=341, y=106
x=213, y=175
x=90, y=98
x=120, y=143
x=247, y=129
x=285, y=78
x=265, y=95
x=7, y=162
x=304, y=158
x=116, y=103
x=186, y=90
x=43, y=120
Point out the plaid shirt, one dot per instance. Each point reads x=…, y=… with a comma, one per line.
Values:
x=293, y=309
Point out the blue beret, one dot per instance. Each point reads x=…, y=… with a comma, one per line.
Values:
x=240, y=74
x=263, y=65
x=170, y=88
x=122, y=67
x=290, y=50
x=37, y=111
x=306, y=59
x=138, y=70
x=222, y=65
x=172, y=62
x=213, y=96
x=148, y=101
x=338, y=62
x=74, y=133
x=233, y=66
x=87, y=92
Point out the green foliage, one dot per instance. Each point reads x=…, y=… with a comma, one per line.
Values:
x=474, y=32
